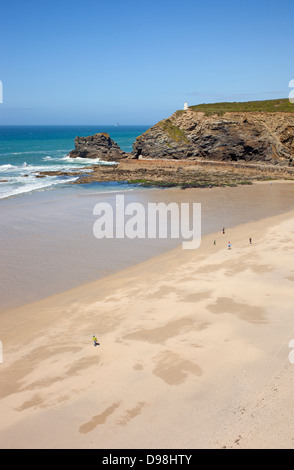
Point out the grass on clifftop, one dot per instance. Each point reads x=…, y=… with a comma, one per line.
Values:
x=267, y=106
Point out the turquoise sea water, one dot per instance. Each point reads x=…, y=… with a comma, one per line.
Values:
x=25, y=150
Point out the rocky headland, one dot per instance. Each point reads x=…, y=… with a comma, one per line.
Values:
x=97, y=146
x=211, y=132
x=221, y=143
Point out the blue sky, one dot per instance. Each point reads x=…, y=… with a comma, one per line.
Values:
x=134, y=62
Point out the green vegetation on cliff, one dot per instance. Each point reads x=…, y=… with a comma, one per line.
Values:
x=267, y=106
x=173, y=131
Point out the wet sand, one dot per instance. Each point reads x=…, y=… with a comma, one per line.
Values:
x=47, y=243
x=193, y=354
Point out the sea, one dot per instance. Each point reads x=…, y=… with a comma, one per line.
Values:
x=26, y=150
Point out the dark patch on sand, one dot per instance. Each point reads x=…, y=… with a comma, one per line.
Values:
x=98, y=419
x=252, y=314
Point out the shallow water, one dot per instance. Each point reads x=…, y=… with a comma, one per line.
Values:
x=27, y=150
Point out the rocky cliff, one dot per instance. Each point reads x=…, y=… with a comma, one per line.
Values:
x=257, y=132
x=250, y=136
x=219, y=144
x=97, y=146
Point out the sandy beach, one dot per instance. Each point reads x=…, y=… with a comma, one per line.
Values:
x=47, y=244
x=194, y=351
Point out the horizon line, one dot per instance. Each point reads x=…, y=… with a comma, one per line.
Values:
x=86, y=125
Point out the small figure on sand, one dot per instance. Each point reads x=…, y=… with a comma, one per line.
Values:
x=229, y=246
x=250, y=240
x=95, y=341
x=223, y=230
x=214, y=242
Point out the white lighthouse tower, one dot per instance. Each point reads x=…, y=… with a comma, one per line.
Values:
x=185, y=106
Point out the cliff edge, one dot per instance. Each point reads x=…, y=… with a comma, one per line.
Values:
x=260, y=131
x=97, y=146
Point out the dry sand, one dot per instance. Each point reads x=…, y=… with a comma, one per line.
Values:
x=194, y=352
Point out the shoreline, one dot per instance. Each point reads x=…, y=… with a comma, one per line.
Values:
x=48, y=244
x=184, y=337
x=163, y=173
x=124, y=274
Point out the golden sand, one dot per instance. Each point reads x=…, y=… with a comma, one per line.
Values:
x=193, y=354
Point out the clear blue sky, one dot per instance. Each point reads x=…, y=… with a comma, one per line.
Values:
x=135, y=62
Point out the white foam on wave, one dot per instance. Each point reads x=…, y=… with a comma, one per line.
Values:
x=10, y=167
x=26, y=168
x=67, y=158
x=80, y=160
x=32, y=186
x=107, y=163
x=6, y=167
x=86, y=160
x=22, y=177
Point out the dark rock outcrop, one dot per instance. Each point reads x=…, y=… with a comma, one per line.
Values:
x=97, y=146
x=212, y=146
x=241, y=136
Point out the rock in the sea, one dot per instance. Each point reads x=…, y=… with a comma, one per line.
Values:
x=233, y=136
x=97, y=146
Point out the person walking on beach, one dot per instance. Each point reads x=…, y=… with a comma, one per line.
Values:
x=250, y=241
x=95, y=341
x=229, y=246
x=223, y=230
